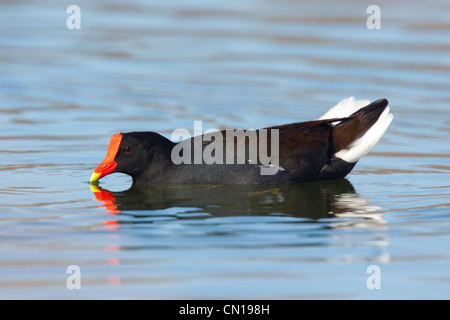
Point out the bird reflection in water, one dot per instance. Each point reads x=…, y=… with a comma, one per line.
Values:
x=313, y=200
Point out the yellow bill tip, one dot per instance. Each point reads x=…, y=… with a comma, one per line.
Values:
x=94, y=177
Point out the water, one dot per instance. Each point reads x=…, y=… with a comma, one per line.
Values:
x=161, y=65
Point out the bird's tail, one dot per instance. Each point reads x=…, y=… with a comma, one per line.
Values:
x=363, y=126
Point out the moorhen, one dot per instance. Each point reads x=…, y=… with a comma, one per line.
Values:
x=327, y=148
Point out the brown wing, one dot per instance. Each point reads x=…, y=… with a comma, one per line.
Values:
x=303, y=148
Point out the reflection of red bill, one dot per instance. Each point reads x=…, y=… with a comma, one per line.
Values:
x=108, y=165
x=106, y=197
x=114, y=280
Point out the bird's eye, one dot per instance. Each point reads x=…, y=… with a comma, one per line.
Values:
x=127, y=149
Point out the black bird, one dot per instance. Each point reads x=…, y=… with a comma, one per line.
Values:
x=322, y=149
